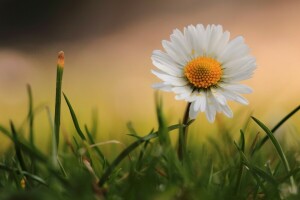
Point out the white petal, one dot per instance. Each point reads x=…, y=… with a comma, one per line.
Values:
x=191, y=36
x=162, y=86
x=210, y=108
x=179, y=40
x=234, y=96
x=239, y=88
x=216, y=35
x=237, y=63
x=235, y=68
x=170, y=80
x=235, y=46
x=222, y=43
x=200, y=39
x=218, y=96
x=192, y=113
x=208, y=34
x=163, y=62
x=200, y=103
x=175, y=52
x=182, y=96
x=193, y=97
x=180, y=90
x=227, y=111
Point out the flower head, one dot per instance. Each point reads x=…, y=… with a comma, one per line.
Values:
x=202, y=66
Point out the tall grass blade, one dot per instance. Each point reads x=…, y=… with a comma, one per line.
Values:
x=74, y=118
x=163, y=137
x=277, y=126
x=17, y=147
x=275, y=143
x=54, y=147
x=59, y=76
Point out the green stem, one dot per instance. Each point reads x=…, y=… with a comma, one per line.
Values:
x=182, y=140
x=59, y=76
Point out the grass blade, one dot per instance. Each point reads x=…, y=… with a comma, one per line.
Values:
x=130, y=148
x=277, y=147
x=59, y=75
x=17, y=147
x=30, y=115
x=275, y=143
x=54, y=147
x=97, y=149
x=241, y=168
x=276, y=127
x=242, y=140
x=74, y=118
x=256, y=172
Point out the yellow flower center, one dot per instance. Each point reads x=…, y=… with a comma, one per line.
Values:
x=203, y=72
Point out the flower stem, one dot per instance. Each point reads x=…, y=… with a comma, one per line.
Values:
x=182, y=140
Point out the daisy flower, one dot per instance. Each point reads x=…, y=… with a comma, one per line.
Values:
x=203, y=67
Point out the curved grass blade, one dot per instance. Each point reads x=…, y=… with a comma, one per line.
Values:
x=17, y=147
x=74, y=118
x=130, y=148
x=275, y=128
x=25, y=146
x=99, y=152
x=275, y=143
x=277, y=147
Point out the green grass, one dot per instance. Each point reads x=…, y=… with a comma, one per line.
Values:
x=151, y=167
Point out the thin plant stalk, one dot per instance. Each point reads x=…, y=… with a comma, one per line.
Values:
x=30, y=115
x=54, y=158
x=182, y=139
x=59, y=75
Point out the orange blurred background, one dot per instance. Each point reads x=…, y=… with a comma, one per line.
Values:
x=108, y=45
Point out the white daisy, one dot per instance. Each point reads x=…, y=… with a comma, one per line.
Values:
x=203, y=67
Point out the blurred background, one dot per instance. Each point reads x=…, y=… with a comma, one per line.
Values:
x=108, y=45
